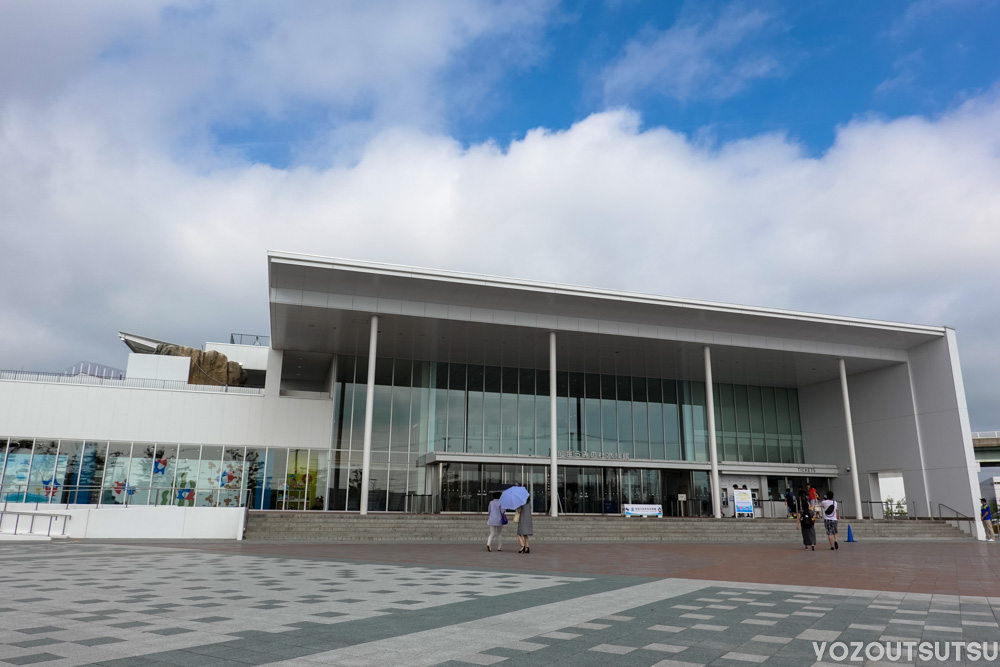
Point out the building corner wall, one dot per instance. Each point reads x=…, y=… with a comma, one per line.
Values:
x=943, y=418
x=272, y=379
x=824, y=433
x=885, y=433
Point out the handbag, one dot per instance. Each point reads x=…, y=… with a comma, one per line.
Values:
x=517, y=518
x=503, y=518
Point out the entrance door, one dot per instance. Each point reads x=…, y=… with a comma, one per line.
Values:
x=631, y=487
x=569, y=487
x=591, y=486
x=612, y=491
x=491, y=475
x=536, y=481
x=651, y=494
x=472, y=488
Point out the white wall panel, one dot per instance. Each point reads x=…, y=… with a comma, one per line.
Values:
x=158, y=367
x=824, y=434
x=939, y=394
x=885, y=434
x=157, y=415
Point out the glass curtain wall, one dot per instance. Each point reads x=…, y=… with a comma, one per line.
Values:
x=759, y=424
x=422, y=406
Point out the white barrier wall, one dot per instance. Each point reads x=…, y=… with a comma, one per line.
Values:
x=85, y=412
x=136, y=522
x=158, y=367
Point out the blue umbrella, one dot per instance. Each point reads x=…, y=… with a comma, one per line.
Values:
x=514, y=497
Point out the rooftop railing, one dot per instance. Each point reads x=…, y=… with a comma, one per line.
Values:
x=249, y=339
x=986, y=434
x=135, y=383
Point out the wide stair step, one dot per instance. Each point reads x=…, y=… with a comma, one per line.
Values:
x=342, y=527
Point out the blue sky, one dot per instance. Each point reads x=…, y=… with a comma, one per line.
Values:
x=754, y=68
x=825, y=157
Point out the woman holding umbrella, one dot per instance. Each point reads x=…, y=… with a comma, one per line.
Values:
x=516, y=498
x=524, y=527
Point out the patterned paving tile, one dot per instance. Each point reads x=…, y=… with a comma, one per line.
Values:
x=200, y=607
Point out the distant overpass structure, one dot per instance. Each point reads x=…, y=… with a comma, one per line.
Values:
x=986, y=445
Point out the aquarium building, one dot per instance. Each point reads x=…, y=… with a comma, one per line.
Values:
x=389, y=388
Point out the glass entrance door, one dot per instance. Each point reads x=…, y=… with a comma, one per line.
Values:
x=582, y=490
x=631, y=487
x=491, y=475
x=612, y=491
x=536, y=481
x=472, y=488
x=591, y=485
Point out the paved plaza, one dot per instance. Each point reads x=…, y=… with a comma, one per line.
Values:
x=229, y=603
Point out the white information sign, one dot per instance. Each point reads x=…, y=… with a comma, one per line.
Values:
x=743, y=500
x=644, y=510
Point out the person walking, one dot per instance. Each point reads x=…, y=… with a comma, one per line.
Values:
x=807, y=523
x=987, y=517
x=495, y=520
x=524, y=527
x=790, y=503
x=830, y=520
x=801, y=501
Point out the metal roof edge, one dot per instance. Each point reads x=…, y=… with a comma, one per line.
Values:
x=486, y=280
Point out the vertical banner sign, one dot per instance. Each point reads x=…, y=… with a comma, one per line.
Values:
x=744, y=502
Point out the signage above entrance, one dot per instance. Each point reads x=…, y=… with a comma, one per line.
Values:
x=608, y=456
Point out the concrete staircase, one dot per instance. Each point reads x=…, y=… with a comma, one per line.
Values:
x=392, y=527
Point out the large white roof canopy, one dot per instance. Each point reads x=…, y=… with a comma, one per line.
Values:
x=321, y=305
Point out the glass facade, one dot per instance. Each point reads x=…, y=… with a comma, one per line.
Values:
x=758, y=424
x=467, y=487
x=142, y=473
x=425, y=406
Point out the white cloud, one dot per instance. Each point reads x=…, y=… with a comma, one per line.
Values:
x=103, y=227
x=170, y=71
x=703, y=57
x=905, y=74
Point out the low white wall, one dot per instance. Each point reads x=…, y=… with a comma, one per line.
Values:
x=177, y=523
x=158, y=367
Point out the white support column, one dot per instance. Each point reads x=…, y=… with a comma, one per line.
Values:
x=553, y=436
x=710, y=418
x=333, y=433
x=850, y=439
x=369, y=409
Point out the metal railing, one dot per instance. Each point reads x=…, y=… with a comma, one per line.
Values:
x=61, y=520
x=135, y=383
x=986, y=434
x=879, y=509
x=953, y=514
x=249, y=339
x=246, y=510
x=420, y=503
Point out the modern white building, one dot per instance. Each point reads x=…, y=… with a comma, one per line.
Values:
x=391, y=388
